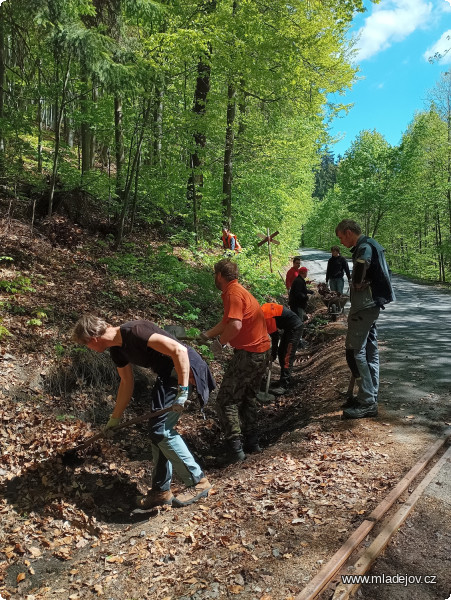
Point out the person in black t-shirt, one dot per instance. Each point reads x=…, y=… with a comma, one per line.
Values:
x=337, y=266
x=177, y=366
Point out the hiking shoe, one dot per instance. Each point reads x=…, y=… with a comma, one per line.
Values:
x=277, y=391
x=251, y=444
x=234, y=453
x=351, y=402
x=252, y=449
x=360, y=412
x=193, y=494
x=230, y=458
x=155, y=498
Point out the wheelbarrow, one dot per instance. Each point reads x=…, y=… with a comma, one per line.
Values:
x=335, y=305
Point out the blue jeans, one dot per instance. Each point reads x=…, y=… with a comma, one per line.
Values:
x=169, y=451
x=337, y=284
x=362, y=353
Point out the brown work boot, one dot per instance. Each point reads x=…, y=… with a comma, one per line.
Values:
x=155, y=498
x=193, y=494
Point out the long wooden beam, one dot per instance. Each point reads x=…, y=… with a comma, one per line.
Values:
x=319, y=582
x=346, y=590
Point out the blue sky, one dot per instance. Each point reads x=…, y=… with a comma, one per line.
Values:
x=395, y=38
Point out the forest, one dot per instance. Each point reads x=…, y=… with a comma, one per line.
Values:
x=400, y=194
x=184, y=116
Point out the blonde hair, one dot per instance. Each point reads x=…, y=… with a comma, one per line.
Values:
x=87, y=327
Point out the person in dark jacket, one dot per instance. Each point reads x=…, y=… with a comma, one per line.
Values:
x=371, y=289
x=337, y=266
x=178, y=367
x=283, y=346
x=298, y=296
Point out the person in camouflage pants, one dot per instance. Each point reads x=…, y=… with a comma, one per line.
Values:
x=236, y=402
x=243, y=326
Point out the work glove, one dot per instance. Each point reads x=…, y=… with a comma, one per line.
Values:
x=217, y=348
x=203, y=338
x=180, y=399
x=113, y=422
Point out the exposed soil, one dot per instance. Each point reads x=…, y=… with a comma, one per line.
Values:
x=269, y=523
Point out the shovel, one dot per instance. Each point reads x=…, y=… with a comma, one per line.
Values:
x=266, y=396
x=350, y=390
x=70, y=457
x=179, y=332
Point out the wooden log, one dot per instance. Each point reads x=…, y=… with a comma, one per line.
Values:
x=321, y=579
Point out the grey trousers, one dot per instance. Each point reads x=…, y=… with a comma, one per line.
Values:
x=362, y=353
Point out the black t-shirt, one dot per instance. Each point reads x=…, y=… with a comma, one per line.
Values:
x=134, y=349
x=337, y=266
x=288, y=320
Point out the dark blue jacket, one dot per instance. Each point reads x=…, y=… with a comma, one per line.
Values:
x=378, y=273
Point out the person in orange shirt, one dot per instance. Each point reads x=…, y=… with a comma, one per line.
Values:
x=283, y=346
x=243, y=326
x=293, y=272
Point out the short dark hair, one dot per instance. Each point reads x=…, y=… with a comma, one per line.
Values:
x=348, y=224
x=297, y=258
x=227, y=268
x=335, y=248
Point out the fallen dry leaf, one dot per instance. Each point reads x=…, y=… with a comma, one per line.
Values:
x=114, y=559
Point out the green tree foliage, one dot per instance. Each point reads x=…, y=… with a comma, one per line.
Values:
x=175, y=113
x=325, y=175
x=401, y=195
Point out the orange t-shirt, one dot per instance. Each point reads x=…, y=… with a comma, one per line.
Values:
x=241, y=304
x=291, y=276
x=271, y=310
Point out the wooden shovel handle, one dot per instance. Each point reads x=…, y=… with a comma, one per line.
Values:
x=134, y=421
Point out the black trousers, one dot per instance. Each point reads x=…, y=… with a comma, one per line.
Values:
x=284, y=346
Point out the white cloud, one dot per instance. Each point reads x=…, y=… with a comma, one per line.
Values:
x=442, y=47
x=391, y=21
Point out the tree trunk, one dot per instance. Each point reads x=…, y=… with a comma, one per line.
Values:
x=131, y=175
x=228, y=156
x=196, y=178
x=85, y=129
x=93, y=140
x=135, y=196
x=59, y=120
x=438, y=243
x=2, y=88
x=119, y=143
x=158, y=119
x=242, y=111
